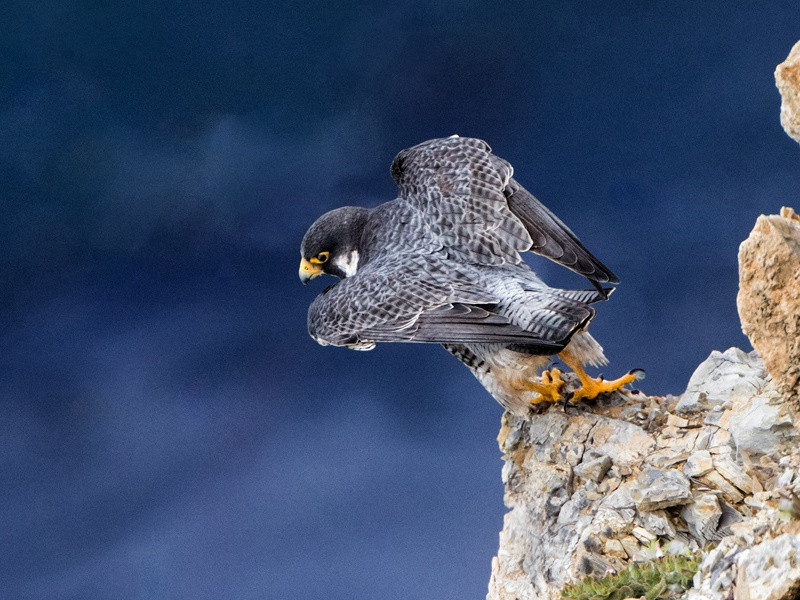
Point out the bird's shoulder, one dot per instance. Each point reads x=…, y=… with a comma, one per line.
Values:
x=393, y=228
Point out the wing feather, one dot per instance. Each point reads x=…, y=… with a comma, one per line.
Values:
x=457, y=183
x=552, y=238
x=421, y=299
x=478, y=213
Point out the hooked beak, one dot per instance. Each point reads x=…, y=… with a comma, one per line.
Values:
x=308, y=271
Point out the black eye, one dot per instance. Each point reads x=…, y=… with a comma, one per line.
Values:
x=321, y=258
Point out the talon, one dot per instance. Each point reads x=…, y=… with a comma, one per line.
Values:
x=548, y=387
x=591, y=387
x=567, y=399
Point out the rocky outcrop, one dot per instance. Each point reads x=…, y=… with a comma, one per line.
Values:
x=760, y=560
x=710, y=478
x=769, y=295
x=631, y=478
x=714, y=472
x=787, y=78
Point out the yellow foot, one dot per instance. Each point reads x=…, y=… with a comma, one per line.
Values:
x=548, y=388
x=592, y=387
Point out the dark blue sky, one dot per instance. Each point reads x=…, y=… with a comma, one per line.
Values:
x=169, y=430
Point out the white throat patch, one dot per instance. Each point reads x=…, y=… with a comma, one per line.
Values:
x=348, y=264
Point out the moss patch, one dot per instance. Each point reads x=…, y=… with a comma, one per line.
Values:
x=662, y=579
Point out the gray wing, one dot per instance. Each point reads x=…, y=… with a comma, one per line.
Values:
x=457, y=184
x=479, y=213
x=410, y=298
x=552, y=238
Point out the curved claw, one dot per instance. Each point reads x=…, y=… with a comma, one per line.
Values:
x=592, y=387
x=640, y=374
x=548, y=387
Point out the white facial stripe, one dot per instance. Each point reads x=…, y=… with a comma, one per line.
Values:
x=348, y=264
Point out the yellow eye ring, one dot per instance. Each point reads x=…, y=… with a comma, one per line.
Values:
x=320, y=258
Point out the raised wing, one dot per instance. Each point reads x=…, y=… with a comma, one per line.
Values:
x=457, y=183
x=479, y=214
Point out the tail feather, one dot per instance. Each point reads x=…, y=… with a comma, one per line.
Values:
x=586, y=296
x=587, y=349
x=554, y=314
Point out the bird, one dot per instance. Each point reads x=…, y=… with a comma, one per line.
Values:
x=443, y=263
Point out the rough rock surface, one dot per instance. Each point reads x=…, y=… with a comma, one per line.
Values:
x=787, y=78
x=770, y=570
x=769, y=295
x=760, y=560
x=631, y=478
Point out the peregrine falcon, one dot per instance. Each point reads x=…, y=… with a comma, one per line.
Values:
x=441, y=264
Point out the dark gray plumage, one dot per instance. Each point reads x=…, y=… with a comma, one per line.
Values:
x=441, y=264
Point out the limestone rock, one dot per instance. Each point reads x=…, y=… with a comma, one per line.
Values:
x=726, y=466
x=657, y=522
x=762, y=424
x=718, y=482
x=594, y=469
x=702, y=516
x=699, y=463
x=769, y=295
x=644, y=536
x=627, y=478
x=724, y=377
x=787, y=79
x=770, y=571
x=614, y=547
x=759, y=558
x=660, y=489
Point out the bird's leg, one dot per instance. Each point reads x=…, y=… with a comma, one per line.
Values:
x=548, y=386
x=591, y=387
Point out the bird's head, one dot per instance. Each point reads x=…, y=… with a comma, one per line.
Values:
x=331, y=244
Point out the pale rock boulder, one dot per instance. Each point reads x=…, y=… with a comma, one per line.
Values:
x=723, y=378
x=770, y=571
x=658, y=488
x=698, y=464
x=787, y=78
x=702, y=516
x=769, y=296
x=762, y=425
